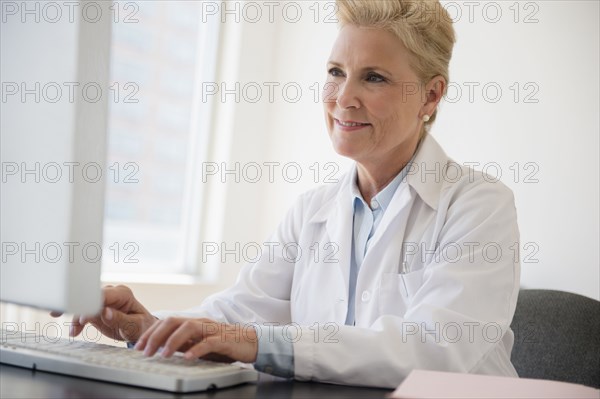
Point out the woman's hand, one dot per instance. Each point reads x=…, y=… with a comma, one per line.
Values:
x=200, y=338
x=122, y=316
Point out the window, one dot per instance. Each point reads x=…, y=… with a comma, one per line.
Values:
x=161, y=53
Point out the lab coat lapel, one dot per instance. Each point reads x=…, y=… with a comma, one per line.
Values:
x=339, y=226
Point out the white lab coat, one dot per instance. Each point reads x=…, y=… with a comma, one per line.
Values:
x=448, y=308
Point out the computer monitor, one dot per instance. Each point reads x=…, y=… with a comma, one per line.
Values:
x=53, y=146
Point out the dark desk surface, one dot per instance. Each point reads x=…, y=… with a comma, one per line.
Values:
x=23, y=383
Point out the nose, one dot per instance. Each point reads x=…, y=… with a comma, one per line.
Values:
x=347, y=96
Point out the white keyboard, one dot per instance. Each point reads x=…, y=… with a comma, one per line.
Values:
x=117, y=364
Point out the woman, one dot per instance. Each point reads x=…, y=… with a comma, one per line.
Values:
x=419, y=271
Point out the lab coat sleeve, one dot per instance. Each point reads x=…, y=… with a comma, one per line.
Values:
x=457, y=318
x=261, y=293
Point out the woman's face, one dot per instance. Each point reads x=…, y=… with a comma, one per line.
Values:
x=378, y=114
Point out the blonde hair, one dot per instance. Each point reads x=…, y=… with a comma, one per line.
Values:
x=424, y=27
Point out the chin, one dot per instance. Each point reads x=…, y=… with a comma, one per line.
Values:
x=345, y=149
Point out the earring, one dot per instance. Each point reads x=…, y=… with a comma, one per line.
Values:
x=426, y=118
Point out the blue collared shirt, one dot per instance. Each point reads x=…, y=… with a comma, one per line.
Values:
x=366, y=221
x=275, y=352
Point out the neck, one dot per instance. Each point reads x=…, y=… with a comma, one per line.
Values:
x=374, y=175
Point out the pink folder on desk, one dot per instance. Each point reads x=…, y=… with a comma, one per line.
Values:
x=437, y=384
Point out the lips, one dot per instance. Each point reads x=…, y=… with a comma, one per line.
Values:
x=350, y=123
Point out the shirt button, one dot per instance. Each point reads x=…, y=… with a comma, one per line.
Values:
x=374, y=204
x=366, y=296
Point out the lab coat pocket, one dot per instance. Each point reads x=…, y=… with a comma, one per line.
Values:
x=397, y=290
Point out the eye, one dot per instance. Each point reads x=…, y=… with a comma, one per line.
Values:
x=375, y=78
x=335, y=71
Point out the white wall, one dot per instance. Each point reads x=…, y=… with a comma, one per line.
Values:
x=559, y=134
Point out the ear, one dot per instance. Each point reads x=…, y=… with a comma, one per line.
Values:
x=434, y=90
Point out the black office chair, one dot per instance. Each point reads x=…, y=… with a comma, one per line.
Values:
x=557, y=337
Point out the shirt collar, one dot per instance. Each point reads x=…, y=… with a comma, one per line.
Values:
x=384, y=197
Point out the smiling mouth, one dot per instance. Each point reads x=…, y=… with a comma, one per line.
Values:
x=348, y=124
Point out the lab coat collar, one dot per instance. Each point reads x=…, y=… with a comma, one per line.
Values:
x=342, y=201
x=426, y=172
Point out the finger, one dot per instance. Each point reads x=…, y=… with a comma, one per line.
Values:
x=83, y=320
x=132, y=327
x=181, y=337
x=78, y=324
x=115, y=324
x=143, y=340
x=109, y=322
x=115, y=297
x=160, y=334
x=75, y=328
x=201, y=349
x=209, y=346
x=218, y=348
x=121, y=298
